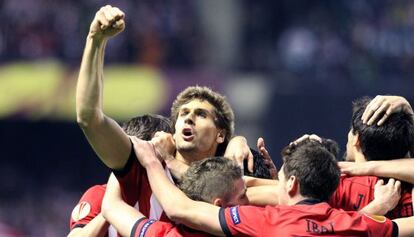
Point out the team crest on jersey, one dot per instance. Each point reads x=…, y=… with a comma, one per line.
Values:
x=379, y=219
x=81, y=211
x=234, y=212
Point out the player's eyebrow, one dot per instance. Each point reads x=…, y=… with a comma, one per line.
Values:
x=197, y=110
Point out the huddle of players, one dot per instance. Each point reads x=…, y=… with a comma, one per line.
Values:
x=141, y=199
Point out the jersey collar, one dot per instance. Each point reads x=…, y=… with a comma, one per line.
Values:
x=309, y=201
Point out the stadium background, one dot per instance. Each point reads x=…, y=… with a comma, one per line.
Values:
x=288, y=67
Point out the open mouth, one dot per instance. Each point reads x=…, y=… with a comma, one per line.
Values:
x=188, y=134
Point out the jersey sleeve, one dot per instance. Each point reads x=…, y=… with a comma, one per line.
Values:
x=129, y=178
x=89, y=206
x=380, y=224
x=149, y=227
x=238, y=221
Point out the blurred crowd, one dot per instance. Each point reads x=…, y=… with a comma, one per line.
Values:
x=349, y=40
x=158, y=32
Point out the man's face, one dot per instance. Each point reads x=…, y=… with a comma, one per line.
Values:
x=238, y=196
x=195, y=129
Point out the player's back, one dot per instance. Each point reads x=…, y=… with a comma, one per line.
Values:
x=354, y=193
x=307, y=218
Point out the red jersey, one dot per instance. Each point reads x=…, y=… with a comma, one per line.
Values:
x=135, y=189
x=89, y=207
x=307, y=218
x=153, y=228
x=354, y=193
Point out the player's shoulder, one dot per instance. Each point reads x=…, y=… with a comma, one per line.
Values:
x=97, y=188
x=358, y=180
x=94, y=193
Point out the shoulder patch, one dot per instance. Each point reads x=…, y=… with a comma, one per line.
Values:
x=81, y=211
x=145, y=227
x=376, y=218
x=235, y=217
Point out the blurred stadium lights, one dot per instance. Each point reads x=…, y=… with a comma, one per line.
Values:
x=46, y=90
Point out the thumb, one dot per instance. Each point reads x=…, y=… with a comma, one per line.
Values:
x=260, y=143
x=250, y=162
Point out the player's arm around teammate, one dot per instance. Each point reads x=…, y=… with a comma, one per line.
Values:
x=121, y=215
x=177, y=206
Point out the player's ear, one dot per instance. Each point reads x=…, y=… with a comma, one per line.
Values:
x=356, y=141
x=292, y=185
x=221, y=135
x=218, y=202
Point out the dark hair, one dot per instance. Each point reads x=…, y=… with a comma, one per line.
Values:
x=392, y=140
x=260, y=170
x=210, y=178
x=222, y=110
x=332, y=146
x=314, y=167
x=145, y=126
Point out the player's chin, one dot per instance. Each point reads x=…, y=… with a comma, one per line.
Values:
x=186, y=146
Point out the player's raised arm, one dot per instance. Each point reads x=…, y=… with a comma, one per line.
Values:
x=105, y=136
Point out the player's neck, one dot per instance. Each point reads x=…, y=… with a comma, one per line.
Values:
x=359, y=157
x=294, y=200
x=190, y=156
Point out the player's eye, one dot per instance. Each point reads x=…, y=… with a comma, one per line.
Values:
x=202, y=114
x=183, y=113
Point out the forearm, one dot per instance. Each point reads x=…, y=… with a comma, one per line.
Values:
x=96, y=228
x=122, y=216
x=252, y=181
x=405, y=226
x=116, y=211
x=175, y=202
x=178, y=207
x=262, y=195
x=374, y=209
x=401, y=169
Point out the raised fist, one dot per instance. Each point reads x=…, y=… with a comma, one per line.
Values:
x=108, y=22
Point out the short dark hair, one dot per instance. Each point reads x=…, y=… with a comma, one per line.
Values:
x=260, y=170
x=222, y=110
x=314, y=167
x=210, y=178
x=145, y=126
x=392, y=140
x=332, y=146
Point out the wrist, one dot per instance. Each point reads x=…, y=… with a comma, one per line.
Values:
x=96, y=40
x=372, y=167
x=380, y=207
x=152, y=164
